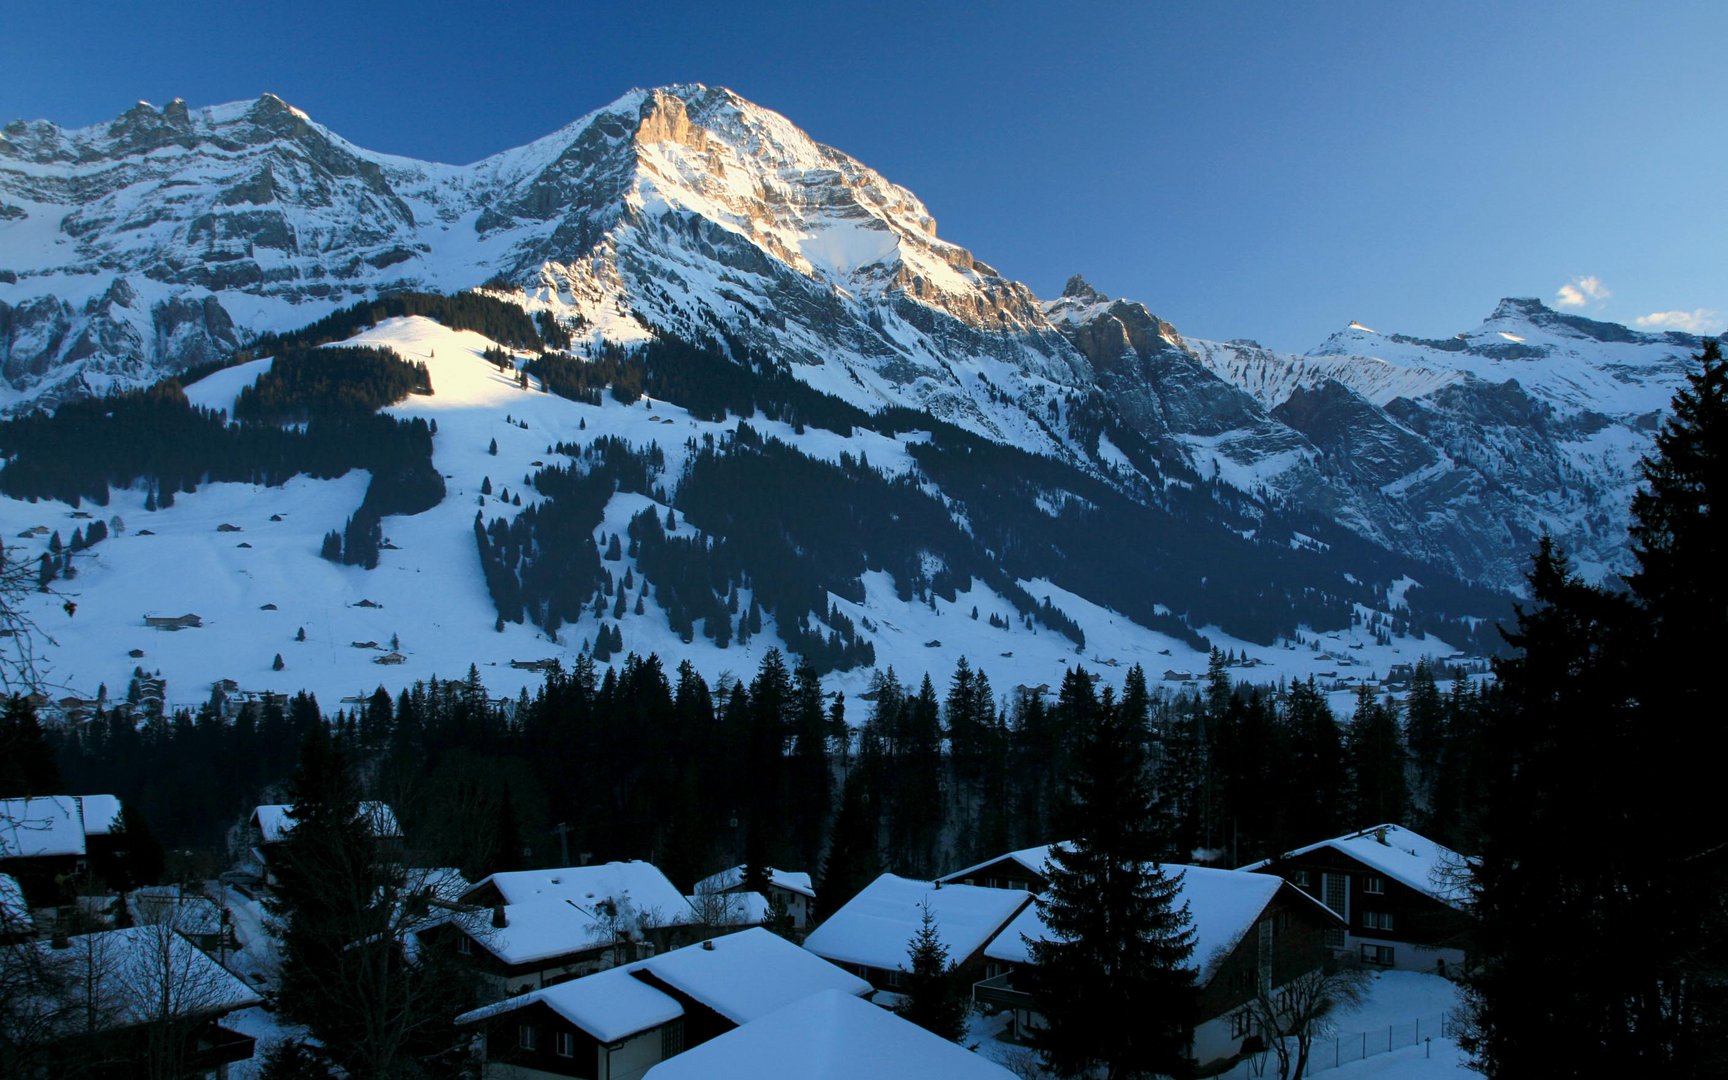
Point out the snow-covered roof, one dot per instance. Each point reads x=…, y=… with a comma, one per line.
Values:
x=741, y=908
x=544, y=928
x=642, y=884
x=14, y=912
x=1401, y=854
x=874, y=927
x=790, y=880
x=38, y=827
x=275, y=823
x=740, y=976
x=1032, y=858
x=828, y=1036
x=611, y=1005
x=101, y=814
x=749, y=974
x=1223, y=903
x=194, y=914
x=139, y=975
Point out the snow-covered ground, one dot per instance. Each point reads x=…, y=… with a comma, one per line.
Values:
x=256, y=588
x=1410, y=1003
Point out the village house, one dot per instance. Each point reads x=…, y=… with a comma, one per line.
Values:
x=1253, y=933
x=173, y=622
x=525, y=930
x=270, y=824
x=1401, y=896
x=869, y=934
x=141, y=1001
x=43, y=847
x=620, y=1022
x=829, y=1036
x=790, y=887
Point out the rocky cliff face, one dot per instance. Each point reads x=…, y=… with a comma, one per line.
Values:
x=173, y=236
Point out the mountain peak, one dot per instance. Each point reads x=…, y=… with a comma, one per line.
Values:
x=1520, y=307
x=1078, y=288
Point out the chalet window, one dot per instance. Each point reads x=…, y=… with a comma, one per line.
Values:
x=672, y=1039
x=464, y=946
x=1380, y=955
x=527, y=1036
x=891, y=979
x=565, y=1044
x=1377, y=920
x=1241, y=1022
x=1300, y=878
x=1334, y=938
x=1374, y=885
x=1332, y=893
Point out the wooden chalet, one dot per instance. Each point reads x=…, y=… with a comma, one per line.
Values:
x=1253, y=933
x=1401, y=896
x=620, y=1022
x=790, y=887
x=868, y=934
x=134, y=1002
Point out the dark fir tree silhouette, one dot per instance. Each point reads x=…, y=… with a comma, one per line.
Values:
x=929, y=996
x=1119, y=939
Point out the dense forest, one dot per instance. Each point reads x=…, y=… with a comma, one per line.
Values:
x=918, y=778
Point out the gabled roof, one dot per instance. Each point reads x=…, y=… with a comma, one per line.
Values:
x=1031, y=858
x=828, y=1036
x=40, y=827
x=749, y=974
x=611, y=1005
x=874, y=927
x=136, y=976
x=101, y=814
x=1224, y=905
x=275, y=823
x=1403, y=855
x=741, y=976
x=646, y=888
x=732, y=878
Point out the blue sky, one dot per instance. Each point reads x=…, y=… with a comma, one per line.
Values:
x=1247, y=170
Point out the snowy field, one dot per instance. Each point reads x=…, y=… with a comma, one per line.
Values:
x=256, y=588
x=1407, y=1002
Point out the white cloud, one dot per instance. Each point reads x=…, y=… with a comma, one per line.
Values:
x=1696, y=321
x=1581, y=291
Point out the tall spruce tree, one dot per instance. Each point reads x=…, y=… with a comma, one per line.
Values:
x=1602, y=940
x=1118, y=937
x=930, y=997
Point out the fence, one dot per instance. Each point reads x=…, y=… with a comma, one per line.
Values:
x=1330, y=1051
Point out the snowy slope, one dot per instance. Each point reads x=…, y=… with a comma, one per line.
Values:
x=255, y=588
x=173, y=236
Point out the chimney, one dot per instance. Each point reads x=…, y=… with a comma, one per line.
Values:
x=707, y=944
x=499, y=918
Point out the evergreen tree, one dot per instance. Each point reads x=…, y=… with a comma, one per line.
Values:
x=1374, y=748
x=27, y=765
x=1118, y=938
x=930, y=997
x=854, y=857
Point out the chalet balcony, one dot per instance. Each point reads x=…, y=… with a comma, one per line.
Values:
x=999, y=991
x=218, y=1046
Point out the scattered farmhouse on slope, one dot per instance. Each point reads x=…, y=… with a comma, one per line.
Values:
x=869, y=934
x=1400, y=894
x=619, y=1022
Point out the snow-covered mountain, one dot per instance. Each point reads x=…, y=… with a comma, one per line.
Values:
x=173, y=236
